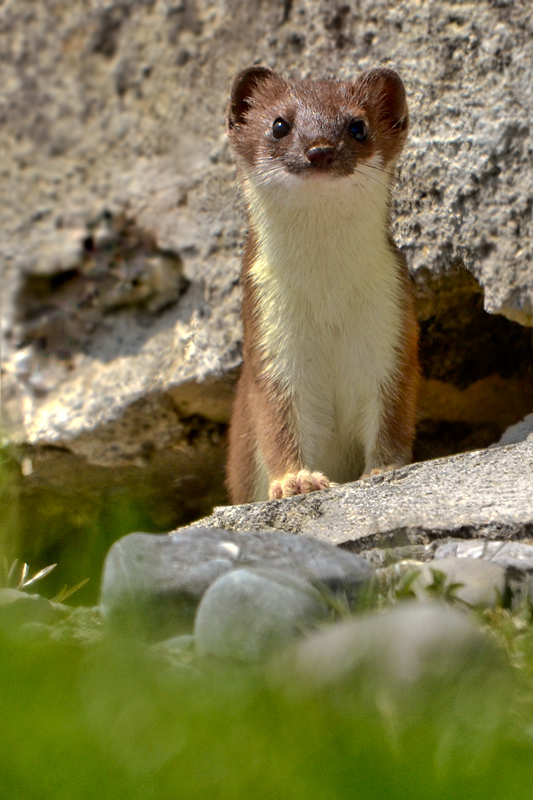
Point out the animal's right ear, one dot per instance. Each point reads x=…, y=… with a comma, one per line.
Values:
x=242, y=90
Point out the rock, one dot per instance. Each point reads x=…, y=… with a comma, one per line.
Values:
x=409, y=669
x=32, y=633
x=517, y=433
x=178, y=652
x=152, y=585
x=18, y=609
x=485, y=493
x=184, y=643
x=122, y=231
x=516, y=558
x=509, y=555
x=401, y=644
x=249, y=614
x=83, y=626
x=477, y=583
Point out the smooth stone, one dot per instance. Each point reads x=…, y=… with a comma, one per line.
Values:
x=476, y=582
x=248, y=615
x=152, y=584
x=402, y=643
x=179, y=644
x=417, y=667
x=32, y=632
x=178, y=652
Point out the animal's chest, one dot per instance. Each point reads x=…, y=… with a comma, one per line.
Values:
x=327, y=312
x=334, y=368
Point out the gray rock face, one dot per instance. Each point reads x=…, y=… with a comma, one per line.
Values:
x=248, y=615
x=121, y=227
x=484, y=494
x=517, y=433
x=510, y=555
x=516, y=558
x=152, y=585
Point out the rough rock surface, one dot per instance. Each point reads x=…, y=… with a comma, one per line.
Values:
x=464, y=513
x=121, y=226
x=484, y=494
x=511, y=555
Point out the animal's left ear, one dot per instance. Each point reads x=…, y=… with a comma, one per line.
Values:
x=384, y=89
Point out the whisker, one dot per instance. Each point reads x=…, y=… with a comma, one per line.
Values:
x=374, y=166
x=370, y=198
x=371, y=177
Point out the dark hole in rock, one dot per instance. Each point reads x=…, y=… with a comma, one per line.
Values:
x=477, y=367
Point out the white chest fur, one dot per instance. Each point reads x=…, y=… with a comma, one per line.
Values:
x=329, y=308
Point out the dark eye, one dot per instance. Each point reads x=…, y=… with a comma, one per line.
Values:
x=280, y=128
x=357, y=129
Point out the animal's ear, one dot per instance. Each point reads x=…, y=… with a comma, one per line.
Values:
x=384, y=89
x=244, y=86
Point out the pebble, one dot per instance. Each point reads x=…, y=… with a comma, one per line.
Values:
x=249, y=614
x=409, y=668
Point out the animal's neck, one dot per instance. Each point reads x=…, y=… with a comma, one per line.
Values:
x=323, y=244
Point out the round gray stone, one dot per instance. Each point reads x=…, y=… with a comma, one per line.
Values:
x=416, y=667
x=249, y=614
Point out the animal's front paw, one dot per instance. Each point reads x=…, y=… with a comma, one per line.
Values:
x=302, y=482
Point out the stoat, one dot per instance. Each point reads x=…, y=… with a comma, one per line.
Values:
x=330, y=360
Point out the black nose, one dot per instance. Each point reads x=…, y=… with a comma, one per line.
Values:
x=321, y=156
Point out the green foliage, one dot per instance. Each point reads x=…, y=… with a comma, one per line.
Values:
x=119, y=721
x=87, y=716
x=67, y=591
x=17, y=576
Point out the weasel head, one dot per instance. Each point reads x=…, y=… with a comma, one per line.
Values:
x=315, y=129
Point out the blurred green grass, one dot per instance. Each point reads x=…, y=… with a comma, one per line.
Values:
x=118, y=720
x=70, y=525
x=103, y=717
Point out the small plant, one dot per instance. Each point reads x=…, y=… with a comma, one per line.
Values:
x=15, y=576
x=439, y=588
x=67, y=592
x=403, y=590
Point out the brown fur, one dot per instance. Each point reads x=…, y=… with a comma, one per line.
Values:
x=398, y=426
x=262, y=414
